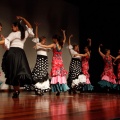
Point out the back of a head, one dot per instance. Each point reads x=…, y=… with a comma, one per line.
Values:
x=106, y=50
x=56, y=37
x=21, y=28
x=59, y=39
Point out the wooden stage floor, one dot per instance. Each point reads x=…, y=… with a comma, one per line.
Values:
x=80, y=106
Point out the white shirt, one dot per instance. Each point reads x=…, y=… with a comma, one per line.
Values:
x=40, y=50
x=14, y=38
x=73, y=52
x=35, y=40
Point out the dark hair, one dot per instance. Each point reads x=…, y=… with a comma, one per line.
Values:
x=41, y=38
x=118, y=51
x=74, y=45
x=59, y=39
x=21, y=28
x=0, y=24
x=88, y=47
x=106, y=50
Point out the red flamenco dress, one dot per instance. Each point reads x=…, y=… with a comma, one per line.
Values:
x=108, y=77
x=85, y=69
x=118, y=74
x=58, y=73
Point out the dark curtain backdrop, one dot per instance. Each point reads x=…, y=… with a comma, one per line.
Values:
x=100, y=21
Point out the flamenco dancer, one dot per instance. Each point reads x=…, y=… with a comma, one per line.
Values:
x=85, y=67
x=40, y=71
x=58, y=73
x=76, y=79
x=16, y=67
x=117, y=62
x=108, y=77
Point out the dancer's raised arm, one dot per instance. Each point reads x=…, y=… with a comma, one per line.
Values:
x=89, y=42
x=36, y=29
x=64, y=36
x=99, y=50
x=25, y=21
x=69, y=41
x=36, y=39
x=28, y=26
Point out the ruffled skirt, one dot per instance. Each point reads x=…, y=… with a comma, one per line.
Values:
x=107, y=82
x=76, y=78
x=16, y=68
x=58, y=84
x=40, y=76
x=40, y=71
x=58, y=75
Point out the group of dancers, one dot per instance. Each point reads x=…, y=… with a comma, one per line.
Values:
x=18, y=74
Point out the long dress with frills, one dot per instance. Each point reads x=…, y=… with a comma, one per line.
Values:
x=76, y=78
x=58, y=72
x=14, y=63
x=108, y=77
x=85, y=69
x=40, y=70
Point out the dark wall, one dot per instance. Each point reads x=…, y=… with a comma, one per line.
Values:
x=100, y=21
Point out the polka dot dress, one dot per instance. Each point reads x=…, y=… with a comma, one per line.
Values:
x=74, y=70
x=40, y=71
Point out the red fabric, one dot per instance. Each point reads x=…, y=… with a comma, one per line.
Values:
x=85, y=68
x=108, y=68
x=57, y=64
